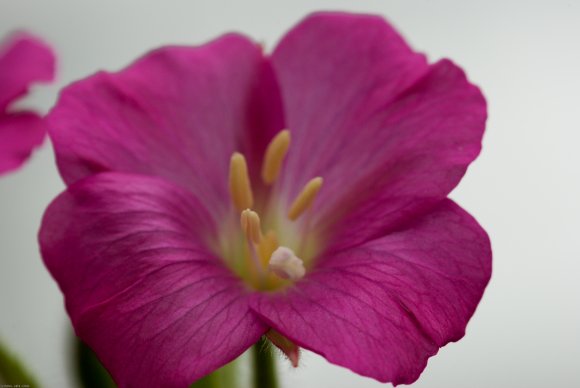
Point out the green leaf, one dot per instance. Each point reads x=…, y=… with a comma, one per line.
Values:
x=225, y=377
x=12, y=371
x=89, y=370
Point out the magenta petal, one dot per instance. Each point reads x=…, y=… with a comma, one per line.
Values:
x=432, y=133
x=383, y=308
x=142, y=289
x=24, y=60
x=19, y=134
x=177, y=113
x=389, y=134
x=335, y=70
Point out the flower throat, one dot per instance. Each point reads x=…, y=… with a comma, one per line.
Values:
x=259, y=258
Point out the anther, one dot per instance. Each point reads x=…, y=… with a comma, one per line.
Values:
x=275, y=154
x=240, y=188
x=286, y=264
x=305, y=198
x=250, y=221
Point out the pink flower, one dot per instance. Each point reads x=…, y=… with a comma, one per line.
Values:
x=351, y=249
x=23, y=60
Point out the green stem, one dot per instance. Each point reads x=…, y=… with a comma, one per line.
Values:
x=264, y=365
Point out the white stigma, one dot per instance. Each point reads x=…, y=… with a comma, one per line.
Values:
x=286, y=264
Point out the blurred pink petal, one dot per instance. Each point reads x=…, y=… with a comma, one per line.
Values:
x=19, y=134
x=23, y=60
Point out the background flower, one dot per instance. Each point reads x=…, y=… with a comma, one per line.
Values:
x=24, y=60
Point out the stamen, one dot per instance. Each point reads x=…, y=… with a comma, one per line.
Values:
x=305, y=198
x=250, y=221
x=286, y=264
x=240, y=187
x=275, y=154
x=267, y=246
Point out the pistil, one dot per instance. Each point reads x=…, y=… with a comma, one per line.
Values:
x=286, y=264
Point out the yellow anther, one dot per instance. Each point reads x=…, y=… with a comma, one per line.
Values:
x=275, y=153
x=250, y=221
x=305, y=198
x=240, y=187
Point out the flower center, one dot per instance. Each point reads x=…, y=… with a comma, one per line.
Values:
x=280, y=256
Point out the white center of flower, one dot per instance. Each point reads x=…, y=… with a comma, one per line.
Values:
x=286, y=264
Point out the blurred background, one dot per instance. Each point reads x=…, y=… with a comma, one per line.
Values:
x=524, y=188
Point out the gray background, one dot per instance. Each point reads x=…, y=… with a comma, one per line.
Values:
x=524, y=189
